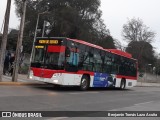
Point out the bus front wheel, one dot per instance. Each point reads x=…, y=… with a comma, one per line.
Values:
x=84, y=83
x=123, y=84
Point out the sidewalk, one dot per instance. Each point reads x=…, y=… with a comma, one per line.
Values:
x=22, y=80
x=146, y=84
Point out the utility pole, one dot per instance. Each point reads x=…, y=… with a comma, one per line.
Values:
x=19, y=43
x=35, y=33
x=4, y=38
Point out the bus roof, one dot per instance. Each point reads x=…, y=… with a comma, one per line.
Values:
x=119, y=52
x=114, y=51
x=86, y=43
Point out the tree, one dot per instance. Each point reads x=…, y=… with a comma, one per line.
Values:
x=107, y=43
x=80, y=19
x=157, y=64
x=143, y=52
x=12, y=39
x=119, y=45
x=135, y=30
x=139, y=37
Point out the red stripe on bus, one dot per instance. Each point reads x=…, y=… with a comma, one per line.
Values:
x=39, y=72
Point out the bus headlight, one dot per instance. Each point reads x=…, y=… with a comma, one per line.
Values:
x=55, y=81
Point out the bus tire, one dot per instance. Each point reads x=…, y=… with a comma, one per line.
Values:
x=123, y=84
x=56, y=86
x=84, y=85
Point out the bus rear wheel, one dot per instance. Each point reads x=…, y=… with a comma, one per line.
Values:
x=123, y=84
x=84, y=83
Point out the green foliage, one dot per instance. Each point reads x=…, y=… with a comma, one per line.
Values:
x=141, y=74
x=80, y=19
x=12, y=39
x=24, y=69
x=143, y=52
x=135, y=30
x=139, y=37
x=107, y=43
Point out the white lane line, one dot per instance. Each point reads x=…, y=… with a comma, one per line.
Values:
x=143, y=103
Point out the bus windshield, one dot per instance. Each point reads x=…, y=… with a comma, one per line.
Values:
x=39, y=55
x=47, y=58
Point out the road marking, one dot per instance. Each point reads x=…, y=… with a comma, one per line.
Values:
x=143, y=103
x=58, y=118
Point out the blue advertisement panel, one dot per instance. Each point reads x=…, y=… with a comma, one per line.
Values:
x=103, y=80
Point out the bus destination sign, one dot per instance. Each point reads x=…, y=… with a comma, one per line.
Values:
x=53, y=42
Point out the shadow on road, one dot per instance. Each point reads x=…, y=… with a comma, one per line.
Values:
x=75, y=89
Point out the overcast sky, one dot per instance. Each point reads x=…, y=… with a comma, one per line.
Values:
x=115, y=14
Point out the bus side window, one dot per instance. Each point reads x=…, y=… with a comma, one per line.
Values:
x=115, y=66
x=86, y=58
x=67, y=55
x=72, y=56
x=97, y=60
x=67, y=52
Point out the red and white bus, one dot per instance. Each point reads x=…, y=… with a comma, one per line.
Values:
x=72, y=62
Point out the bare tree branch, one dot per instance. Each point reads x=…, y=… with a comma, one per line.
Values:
x=135, y=30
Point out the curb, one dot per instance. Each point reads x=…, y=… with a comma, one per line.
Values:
x=147, y=84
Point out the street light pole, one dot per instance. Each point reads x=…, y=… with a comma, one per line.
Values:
x=35, y=36
x=43, y=30
x=146, y=71
x=35, y=33
x=19, y=43
x=4, y=38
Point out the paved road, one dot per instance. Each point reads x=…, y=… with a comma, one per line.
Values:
x=48, y=98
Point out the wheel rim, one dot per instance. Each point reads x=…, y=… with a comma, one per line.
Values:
x=123, y=85
x=84, y=83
